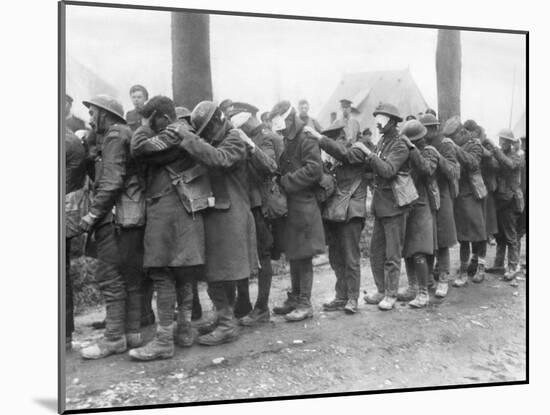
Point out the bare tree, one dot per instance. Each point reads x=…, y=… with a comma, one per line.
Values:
x=448, y=65
x=191, y=74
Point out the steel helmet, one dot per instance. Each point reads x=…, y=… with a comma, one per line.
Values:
x=414, y=130
x=183, y=113
x=202, y=114
x=452, y=125
x=428, y=120
x=107, y=103
x=507, y=134
x=389, y=110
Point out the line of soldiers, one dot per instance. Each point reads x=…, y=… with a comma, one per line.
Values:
x=215, y=195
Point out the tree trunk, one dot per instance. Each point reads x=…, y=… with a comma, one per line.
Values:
x=191, y=75
x=448, y=65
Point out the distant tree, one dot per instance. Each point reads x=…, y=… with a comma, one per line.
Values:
x=448, y=65
x=191, y=74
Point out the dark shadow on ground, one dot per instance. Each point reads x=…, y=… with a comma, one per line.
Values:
x=47, y=403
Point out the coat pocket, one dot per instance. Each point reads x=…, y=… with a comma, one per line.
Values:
x=130, y=205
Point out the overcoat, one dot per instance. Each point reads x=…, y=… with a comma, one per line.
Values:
x=448, y=170
x=348, y=170
x=489, y=170
x=469, y=214
x=173, y=237
x=301, y=170
x=419, y=234
x=231, y=252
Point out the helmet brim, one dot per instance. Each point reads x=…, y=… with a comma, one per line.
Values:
x=95, y=104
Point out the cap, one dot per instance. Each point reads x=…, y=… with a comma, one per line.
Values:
x=239, y=107
x=279, y=108
x=345, y=102
x=507, y=134
x=183, y=113
x=451, y=126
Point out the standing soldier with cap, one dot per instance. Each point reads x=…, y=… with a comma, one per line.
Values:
x=420, y=236
x=469, y=216
x=303, y=110
x=174, y=237
x=301, y=170
x=389, y=159
x=231, y=253
x=447, y=175
x=509, y=201
x=262, y=166
x=352, y=128
x=344, y=228
x=118, y=184
x=139, y=96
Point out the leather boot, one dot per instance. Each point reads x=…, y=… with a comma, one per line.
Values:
x=209, y=326
x=421, y=300
x=462, y=278
x=442, y=285
x=185, y=335
x=479, y=276
x=161, y=347
x=103, y=348
x=472, y=266
x=387, y=303
x=301, y=312
x=334, y=305
x=226, y=331
x=511, y=273
x=134, y=340
x=255, y=318
x=374, y=298
x=289, y=305
x=408, y=293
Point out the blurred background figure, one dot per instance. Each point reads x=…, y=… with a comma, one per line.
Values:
x=138, y=95
x=303, y=113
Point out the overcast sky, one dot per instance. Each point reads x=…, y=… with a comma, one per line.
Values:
x=262, y=60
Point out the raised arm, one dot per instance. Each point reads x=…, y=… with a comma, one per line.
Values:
x=341, y=152
x=263, y=157
x=425, y=161
x=228, y=153
x=469, y=159
x=510, y=162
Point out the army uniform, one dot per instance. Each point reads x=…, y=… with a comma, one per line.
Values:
x=119, y=237
x=420, y=234
x=73, y=123
x=469, y=212
x=75, y=176
x=390, y=158
x=509, y=199
x=301, y=170
x=352, y=129
x=230, y=235
x=343, y=237
x=174, y=238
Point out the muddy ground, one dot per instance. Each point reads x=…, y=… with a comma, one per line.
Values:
x=476, y=335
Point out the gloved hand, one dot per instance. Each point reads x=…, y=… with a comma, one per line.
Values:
x=87, y=222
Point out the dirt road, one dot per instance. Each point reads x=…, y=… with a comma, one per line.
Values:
x=476, y=335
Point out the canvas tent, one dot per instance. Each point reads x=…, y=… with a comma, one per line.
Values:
x=520, y=128
x=82, y=83
x=368, y=89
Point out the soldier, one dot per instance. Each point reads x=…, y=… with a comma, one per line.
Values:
x=183, y=114
x=351, y=125
x=522, y=219
x=387, y=161
x=75, y=176
x=468, y=208
x=509, y=202
x=303, y=110
x=262, y=166
x=343, y=233
x=139, y=96
x=72, y=122
x=420, y=236
x=119, y=237
x=489, y=169
x=447, y=175
x=231, y=253
x=174, y=237
x=301, y=171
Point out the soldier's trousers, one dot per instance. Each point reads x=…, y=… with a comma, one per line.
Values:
x=387, y=241
x=507, y=237
x=417, y=270
x=119, y=274
x=478, y=251
x=345, y=257
x=264, y=242
x=443, y=265
x=218, y=293
x=171, y=284
x=69, y=313
x=301, y=278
